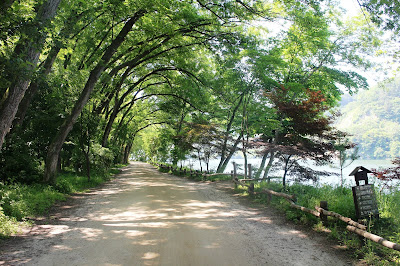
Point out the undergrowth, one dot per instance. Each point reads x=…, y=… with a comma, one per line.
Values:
x=340, y=200
x=18, y=202
x=196, y=175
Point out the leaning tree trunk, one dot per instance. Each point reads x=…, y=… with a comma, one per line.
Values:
x=116, y=110
x=224, y=148
x=45, y=70
x=221, y=169
x=110, y=122
x=56, y=145
x=269, y=165
x=34, y=86
x=286, y=169
x=272, y=155
x=259, y=171
x=30, y=51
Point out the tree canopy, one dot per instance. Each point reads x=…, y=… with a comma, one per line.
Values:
x=83, y=84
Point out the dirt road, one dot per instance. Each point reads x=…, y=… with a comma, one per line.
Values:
x=144, y=217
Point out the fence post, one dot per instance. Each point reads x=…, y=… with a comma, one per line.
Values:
x=324, y=205
x=251, y=189
x=233, y=174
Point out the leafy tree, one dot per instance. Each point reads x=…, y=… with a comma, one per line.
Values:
x=184, y=77
x=347, y=152
x=387, y=175
x=384, y=12
x=305, y=130
x=306, y=61
x=27, y=50
x=56, y=145
x=204, y=139
x=169, y=31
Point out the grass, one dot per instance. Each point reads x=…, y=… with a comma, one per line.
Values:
x=18, y=202
x=340, y=200
x=197, y=176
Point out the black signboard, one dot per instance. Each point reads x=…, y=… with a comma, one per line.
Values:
x=365, y=201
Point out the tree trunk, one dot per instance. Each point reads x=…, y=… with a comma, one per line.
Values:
x=245, y=165
x=30, y=51
x=226, y=137
x=259, y=171
x=34, y=86
x=127, y=152
x=272, y=155
x=65, y=33
x=221, y=169
x=87, y=160
x=116, y=109
x=110, y=122
x=287, y=160
x=269, y=165
x=284, y=178
x=201, y=167
x=56, y=145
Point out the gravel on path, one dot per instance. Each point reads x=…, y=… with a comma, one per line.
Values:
x=144, y=217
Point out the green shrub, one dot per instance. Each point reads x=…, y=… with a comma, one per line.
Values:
x=63, y=186
x=101, y=158
x=20, y=201
x=8, y=225
x=340, y=200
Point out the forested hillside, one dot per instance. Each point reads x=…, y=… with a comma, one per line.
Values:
x=373, y=118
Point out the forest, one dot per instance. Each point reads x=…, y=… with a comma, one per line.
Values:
x=372, y=120
x=87, y=85
x=84, y=84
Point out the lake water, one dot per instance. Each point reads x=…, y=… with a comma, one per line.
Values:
x=331, y=180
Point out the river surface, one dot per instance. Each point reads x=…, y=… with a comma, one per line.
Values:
x=329, y=180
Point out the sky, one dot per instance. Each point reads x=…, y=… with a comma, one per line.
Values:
x=351, y=5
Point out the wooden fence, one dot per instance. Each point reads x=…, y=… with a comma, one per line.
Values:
x=320, y=211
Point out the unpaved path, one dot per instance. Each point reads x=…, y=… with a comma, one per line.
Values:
x=144, y=217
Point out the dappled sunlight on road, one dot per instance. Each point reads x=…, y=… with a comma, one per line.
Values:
x=149, y=218
x=295, y=233
x=90, y=233
x=153, y=213
x=62, y=247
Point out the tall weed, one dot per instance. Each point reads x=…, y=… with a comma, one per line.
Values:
x=340, y=200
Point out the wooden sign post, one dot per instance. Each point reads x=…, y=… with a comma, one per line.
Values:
x=365, y=201
x=364, y=195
